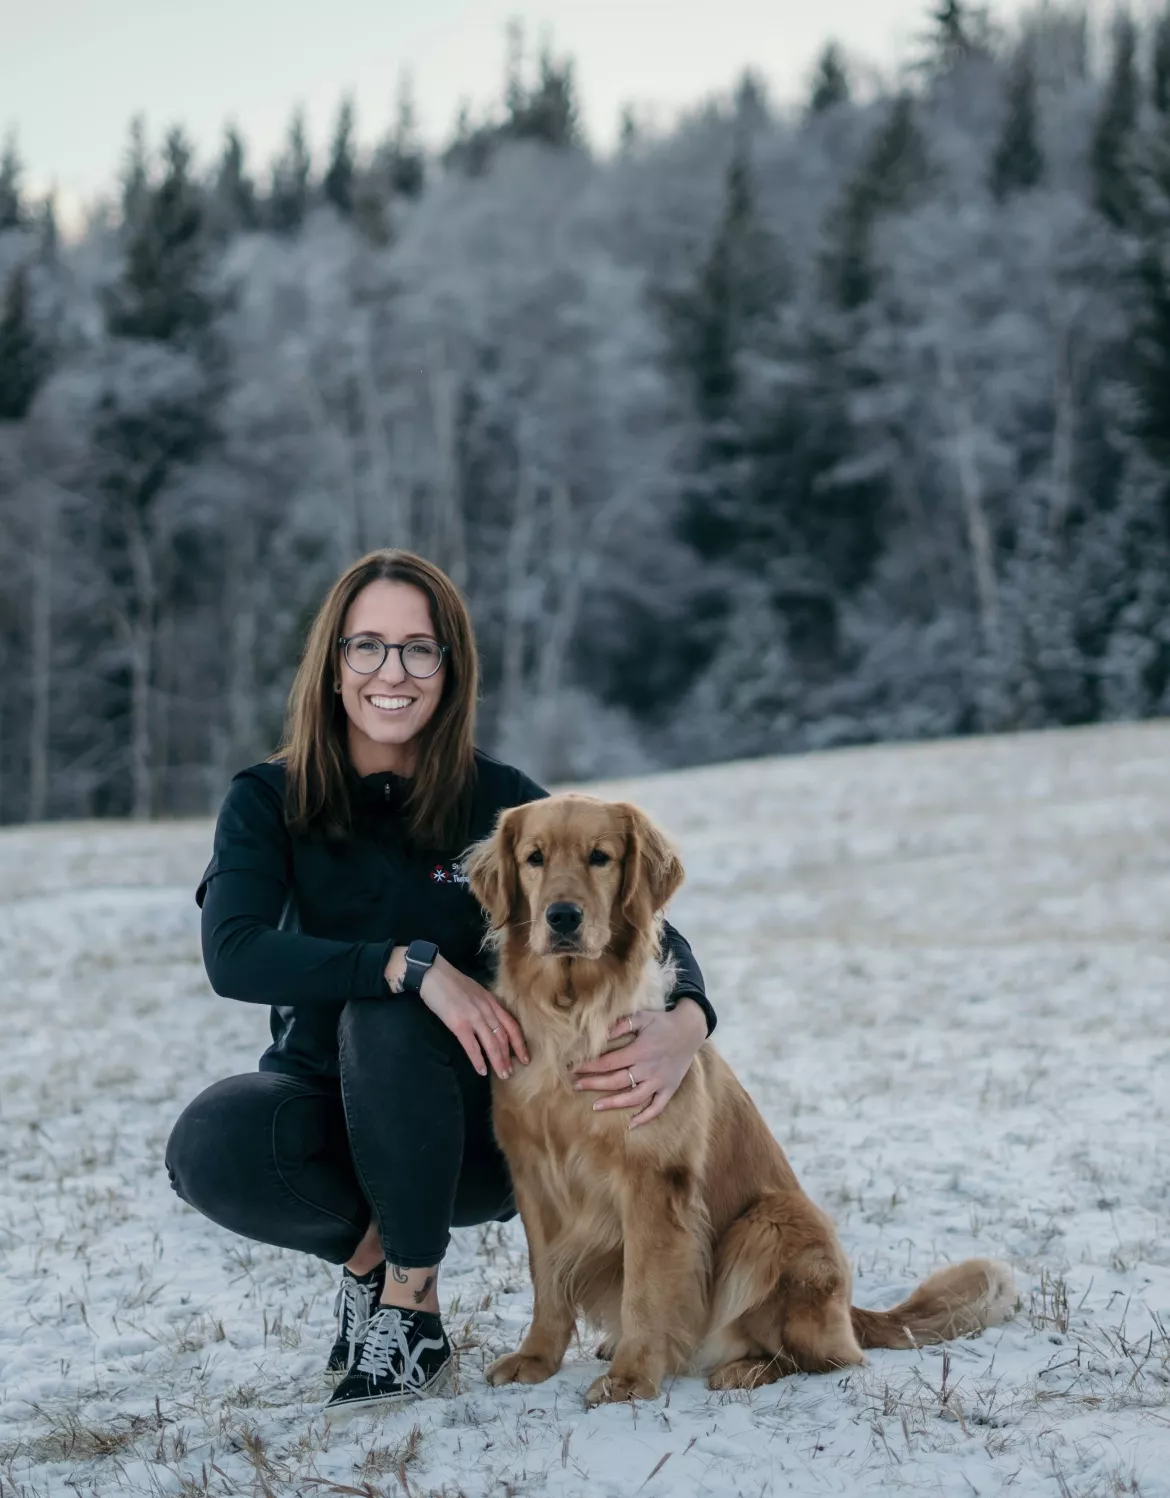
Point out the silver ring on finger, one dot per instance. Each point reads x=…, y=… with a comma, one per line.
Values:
x=495, y=1029
x=630, y=1074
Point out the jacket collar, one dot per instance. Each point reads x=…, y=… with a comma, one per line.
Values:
x=384, y=789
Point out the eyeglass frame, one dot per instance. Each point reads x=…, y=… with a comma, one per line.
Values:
x=387, y=647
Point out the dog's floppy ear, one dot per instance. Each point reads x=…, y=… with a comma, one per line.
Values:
x=651, y=871
x=491, y=870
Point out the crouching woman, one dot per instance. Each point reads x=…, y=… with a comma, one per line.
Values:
x=334, y=894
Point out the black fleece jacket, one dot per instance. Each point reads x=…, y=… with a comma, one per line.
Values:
x=305, y=925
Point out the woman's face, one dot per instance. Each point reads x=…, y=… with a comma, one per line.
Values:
x=388, y=708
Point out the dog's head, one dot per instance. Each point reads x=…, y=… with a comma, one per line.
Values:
x=576, y=875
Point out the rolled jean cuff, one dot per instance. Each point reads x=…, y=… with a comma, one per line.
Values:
x=413, y=1261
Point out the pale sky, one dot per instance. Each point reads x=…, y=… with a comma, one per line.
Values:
x=73, y=72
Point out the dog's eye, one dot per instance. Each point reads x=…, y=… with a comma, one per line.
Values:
x=535, y=858
x=598, y=858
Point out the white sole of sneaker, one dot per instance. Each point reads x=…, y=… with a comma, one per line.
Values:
x=337, y=1414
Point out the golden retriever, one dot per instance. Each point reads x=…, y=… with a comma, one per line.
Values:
x=687, y=1241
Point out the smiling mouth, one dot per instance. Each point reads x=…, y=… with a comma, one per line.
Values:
x=390, y=704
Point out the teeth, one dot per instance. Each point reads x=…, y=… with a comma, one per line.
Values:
x=392, y=704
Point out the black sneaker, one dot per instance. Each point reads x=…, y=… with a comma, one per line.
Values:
x=403, y=1355
x=357, y=1295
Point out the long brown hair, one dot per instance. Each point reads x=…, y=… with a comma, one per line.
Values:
x=317, y=799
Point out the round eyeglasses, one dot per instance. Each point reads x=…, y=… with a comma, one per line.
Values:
x=366, y=654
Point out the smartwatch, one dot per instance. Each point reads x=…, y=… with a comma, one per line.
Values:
x=420, y=956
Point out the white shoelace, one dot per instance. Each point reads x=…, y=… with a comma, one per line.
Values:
x=385, y=1337
x=357, y=1300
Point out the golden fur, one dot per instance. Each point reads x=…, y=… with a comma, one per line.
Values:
x=687, y=1241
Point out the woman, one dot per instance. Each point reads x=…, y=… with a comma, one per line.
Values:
x=334, y=895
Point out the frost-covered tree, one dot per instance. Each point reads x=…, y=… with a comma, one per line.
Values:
x=545, y=110
x=161, y=294
x=830, y=85
x=407, y=159
x=135, y=180
x=893, y=170
x=957, y=31
x=1113, y=133
x=23, y=357
x=233, y=205
x=11, y=202
x=149, y=416
x=769, y=431
x=714, y=322
x=337, y=185
x=1018, y=162
x=1160, y=63
x=290, y=192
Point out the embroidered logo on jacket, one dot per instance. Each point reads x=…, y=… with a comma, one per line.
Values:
x=448, y=873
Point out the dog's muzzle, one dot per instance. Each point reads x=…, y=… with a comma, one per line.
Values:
x=564, y=920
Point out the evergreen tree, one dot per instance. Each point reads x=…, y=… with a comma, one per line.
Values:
x=11, y=206
x=338, y=182
x=47, y=234
x=1109, y=153
x=831, y=81
x=737, y=287
x=958, y=31
x=234, y=199
x=288, y=200
x=548, y=112
x=472, y=146
x=1160, y=63
x=515, y=93
x=135, y=173
x=408, y=171
x=848, y=275
x=1149, y=344
x=161, y=296
x=725, y=312
x=1018, y=163
x=22, y=358
x=751, y=102
x=152, y=420
x=895, y=168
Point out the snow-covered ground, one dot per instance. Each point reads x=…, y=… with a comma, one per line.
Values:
x=943, y=972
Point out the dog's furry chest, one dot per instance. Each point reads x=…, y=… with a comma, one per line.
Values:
x=565, y=1160
x=554, y=1136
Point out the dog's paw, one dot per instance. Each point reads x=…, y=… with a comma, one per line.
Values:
x=616, y=1389
x=745, y=1373
x=605, y=1349
x=519, y=1368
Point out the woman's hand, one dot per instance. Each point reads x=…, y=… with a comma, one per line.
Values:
x=659, y=1056
x=476, y=1018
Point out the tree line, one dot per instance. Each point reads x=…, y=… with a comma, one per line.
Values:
x=778, y=429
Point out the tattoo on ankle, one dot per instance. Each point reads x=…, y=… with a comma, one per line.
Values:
x=399, y=1275
x=421, y=1295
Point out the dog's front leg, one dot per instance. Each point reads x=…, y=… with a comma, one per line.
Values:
x=543, y=1349
x=664, y=1284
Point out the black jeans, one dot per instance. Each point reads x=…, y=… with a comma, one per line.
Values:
x=302, y=1162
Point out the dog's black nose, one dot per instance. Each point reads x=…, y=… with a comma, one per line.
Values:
x=564, y=917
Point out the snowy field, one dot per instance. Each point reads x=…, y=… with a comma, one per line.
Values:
x=943, y=972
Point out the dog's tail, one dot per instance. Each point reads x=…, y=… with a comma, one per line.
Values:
x=954, y=1302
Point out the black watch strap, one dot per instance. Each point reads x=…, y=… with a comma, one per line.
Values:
x=420, y=956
